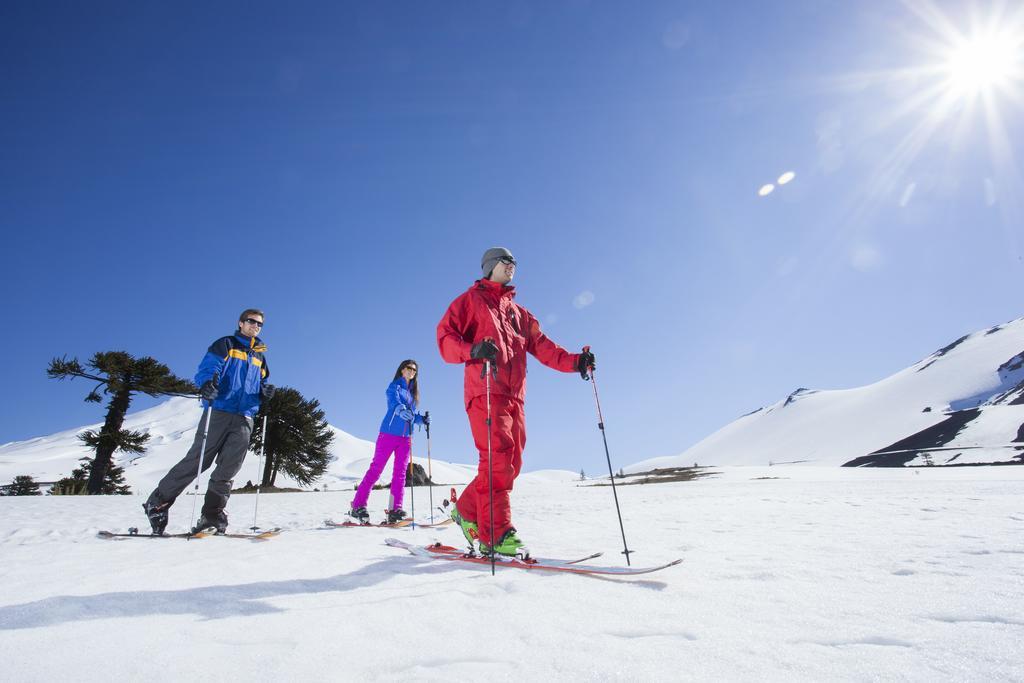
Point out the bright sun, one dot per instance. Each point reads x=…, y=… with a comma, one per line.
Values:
x=962, y=93
x=981, y=64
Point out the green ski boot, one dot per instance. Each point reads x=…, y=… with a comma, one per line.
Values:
x=508, y=545
x=468, y=528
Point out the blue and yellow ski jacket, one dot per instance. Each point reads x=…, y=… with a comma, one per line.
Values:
x=242, y=367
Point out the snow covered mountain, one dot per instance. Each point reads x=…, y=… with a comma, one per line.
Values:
x=964, y=403
x=172, y=426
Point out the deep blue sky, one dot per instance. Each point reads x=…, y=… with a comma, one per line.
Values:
x=344, y=165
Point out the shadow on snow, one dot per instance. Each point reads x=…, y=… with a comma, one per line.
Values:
x=220, y=602
x=208, y=602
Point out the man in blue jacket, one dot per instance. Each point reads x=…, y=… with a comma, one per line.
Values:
x=232, y=380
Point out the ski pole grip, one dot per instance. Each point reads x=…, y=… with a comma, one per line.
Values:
x=589, y=368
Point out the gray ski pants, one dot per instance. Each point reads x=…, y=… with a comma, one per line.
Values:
x=227, y=441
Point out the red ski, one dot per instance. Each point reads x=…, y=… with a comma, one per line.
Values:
x=446, y=552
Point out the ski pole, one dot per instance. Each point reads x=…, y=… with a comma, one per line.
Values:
x=412, y=471
x=259, y=475
x=490, y=478
x=600, y=425
x=202, y=456
x=430, y=470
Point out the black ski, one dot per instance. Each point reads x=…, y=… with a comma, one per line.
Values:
x=261, y=536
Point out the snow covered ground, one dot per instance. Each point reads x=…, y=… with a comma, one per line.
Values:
x=790, y=573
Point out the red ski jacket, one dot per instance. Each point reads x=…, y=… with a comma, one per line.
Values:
x=486, y=311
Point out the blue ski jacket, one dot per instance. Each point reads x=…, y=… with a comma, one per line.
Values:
x=242, y=366
x=401, y=415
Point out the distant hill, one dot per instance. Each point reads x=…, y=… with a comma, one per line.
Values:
x=964, y=403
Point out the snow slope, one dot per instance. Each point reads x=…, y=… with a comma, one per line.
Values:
x=838, y=574
x=979, y=378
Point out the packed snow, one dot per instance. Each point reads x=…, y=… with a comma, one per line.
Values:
x=789, y=573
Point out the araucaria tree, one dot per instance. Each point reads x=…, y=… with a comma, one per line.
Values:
x=77, y=484
x=119, y=375
x=23, y=485
x=298, y=438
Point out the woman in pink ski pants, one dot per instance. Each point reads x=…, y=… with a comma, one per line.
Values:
x=395, y=437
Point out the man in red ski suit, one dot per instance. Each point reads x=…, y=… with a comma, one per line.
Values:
x=485, y=323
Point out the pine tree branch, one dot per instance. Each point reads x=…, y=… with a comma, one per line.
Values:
x=62, y=368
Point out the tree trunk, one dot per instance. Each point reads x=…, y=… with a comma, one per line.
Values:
x=268, y=470
x=116, y=411
x=273, y=475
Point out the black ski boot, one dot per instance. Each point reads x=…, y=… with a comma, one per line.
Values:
x=396, y=516
x=360, y=515
x=158, y=514
x=218, y=524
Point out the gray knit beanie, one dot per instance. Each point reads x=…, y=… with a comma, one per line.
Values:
x=491, y=258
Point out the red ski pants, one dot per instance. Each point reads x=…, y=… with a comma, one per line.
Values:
x=508, y=437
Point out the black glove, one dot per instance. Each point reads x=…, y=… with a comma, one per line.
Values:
x=267, y=392
x=425, y=418
x=485, y=350
x=585, y=362
x=209, y=389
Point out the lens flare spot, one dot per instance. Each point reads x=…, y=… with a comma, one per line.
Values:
x=583, y=299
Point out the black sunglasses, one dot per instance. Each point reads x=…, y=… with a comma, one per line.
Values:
x=411, y=367
x=258, y=323
x=507, y=260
